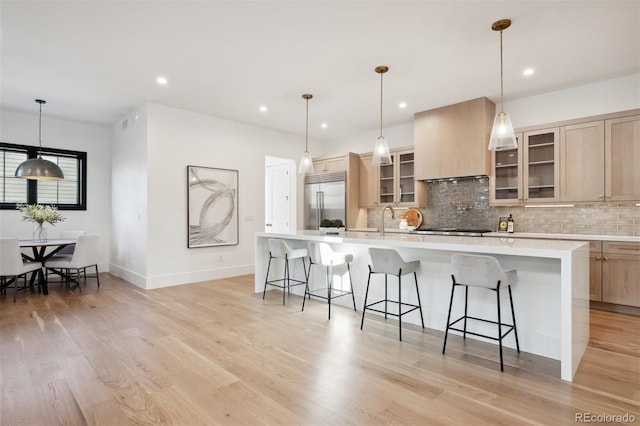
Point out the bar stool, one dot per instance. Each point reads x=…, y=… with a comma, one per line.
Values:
x=481, y=271
x=389, y=262
x=279, y=249
x=322, y=254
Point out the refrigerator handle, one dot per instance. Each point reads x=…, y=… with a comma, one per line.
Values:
x=317, y=210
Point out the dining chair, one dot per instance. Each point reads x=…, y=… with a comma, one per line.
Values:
x=85, y=255
x=12, y=267
x=68, y=250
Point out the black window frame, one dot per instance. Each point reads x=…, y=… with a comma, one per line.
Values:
x=32, y=185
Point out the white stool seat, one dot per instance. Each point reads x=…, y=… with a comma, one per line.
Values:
x=322, y=254
x=481, y=271
x=279, y=249
x=389, y=262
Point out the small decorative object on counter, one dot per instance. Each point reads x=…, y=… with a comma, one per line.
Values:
x=403, y=224
x=510, y=224
x=503, y=224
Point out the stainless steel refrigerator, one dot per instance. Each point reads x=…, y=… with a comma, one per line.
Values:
x=324, y=198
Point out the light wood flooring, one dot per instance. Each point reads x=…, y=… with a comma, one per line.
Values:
x=216, y=353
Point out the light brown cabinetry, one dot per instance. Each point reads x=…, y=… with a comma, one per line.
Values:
x=505, y=181
x=622, y=158
x=540, y=160
x=368, y=187
x=452, y=141
x=581, y=162
x=391, y=184
x=595, y=271
x=621, y=273
x=586, y=160
x=330, y=164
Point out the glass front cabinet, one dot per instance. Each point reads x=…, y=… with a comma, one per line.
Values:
x=528, y=174
x=397, y=181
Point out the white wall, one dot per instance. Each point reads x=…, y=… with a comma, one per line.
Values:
x=129, y=197
x=176, y=138
x=22, y=129
x=618, y=94
x=396, y=136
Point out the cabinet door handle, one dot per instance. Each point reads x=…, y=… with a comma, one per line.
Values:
x=597, y=257
x=606, y=258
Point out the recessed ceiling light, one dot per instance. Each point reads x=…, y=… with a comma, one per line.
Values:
x=528, y=72
x=324, y=125
x=162, y=81
x=402, y=105
x=263, y=108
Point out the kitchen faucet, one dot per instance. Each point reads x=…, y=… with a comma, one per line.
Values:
x=393, y=216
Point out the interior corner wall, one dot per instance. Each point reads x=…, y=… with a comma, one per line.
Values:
x=178, y=138
x=129, y=194
x=22, y=129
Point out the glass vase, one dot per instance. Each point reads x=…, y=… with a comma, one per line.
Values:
x=39, y=233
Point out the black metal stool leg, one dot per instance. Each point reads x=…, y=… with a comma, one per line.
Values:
x=466, y=297
x=499, y=327
x=513, y=316
x=366, y=294
x=446, y=331
x=306, y=286
x=399, y=304
x=386, y=297
x=266, y=277
x=353, y=298
x=285, y=283
x=415, y=277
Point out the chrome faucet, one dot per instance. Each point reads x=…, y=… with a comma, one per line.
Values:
x=393, y=216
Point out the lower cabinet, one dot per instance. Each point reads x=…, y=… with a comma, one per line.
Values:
x=615, y=273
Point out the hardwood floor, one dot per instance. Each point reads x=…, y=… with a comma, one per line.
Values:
x=216, y=353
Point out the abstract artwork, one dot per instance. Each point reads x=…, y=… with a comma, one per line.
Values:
x=212, y=206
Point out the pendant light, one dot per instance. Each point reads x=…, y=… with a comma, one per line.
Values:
x=502, y=134
x=306, y=163
x=38, y=168
x=381, y=156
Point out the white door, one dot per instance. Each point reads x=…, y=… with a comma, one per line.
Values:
x=278, y=199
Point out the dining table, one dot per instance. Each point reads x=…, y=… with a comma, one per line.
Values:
x=41, y=251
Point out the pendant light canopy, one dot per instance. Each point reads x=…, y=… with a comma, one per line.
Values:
x=502, y=134
x=38, y=168
x=381, y=156
x=306, y=163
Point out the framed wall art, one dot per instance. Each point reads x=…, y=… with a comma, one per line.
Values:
x=212, y=206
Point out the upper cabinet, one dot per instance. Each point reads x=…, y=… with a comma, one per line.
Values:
x=330, y=164
x=582, y=165
x=391, y=184
x=452, y=141
x=622, y=158
x=582, y=161
x=540, y=159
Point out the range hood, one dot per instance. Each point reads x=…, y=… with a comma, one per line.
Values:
x=453, y=140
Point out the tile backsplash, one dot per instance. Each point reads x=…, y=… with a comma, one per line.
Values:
x=464, y=203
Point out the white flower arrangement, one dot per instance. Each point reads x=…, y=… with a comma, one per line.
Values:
x=39, y=213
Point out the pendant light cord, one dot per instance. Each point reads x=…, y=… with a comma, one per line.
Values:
x=501, y=78
x=381, y=76
x=40, y=132
x=306, y=130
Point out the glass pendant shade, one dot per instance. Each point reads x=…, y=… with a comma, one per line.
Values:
x=38, y=168
x=502, y=134
x=381, y=155
x=306, y=164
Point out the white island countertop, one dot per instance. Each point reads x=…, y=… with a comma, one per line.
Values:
x=551, y=295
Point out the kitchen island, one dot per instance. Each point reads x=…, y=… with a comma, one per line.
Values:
x=551, y=296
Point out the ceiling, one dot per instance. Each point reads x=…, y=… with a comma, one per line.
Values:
x=96, y=61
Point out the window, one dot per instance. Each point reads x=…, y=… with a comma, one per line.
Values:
x=67, y=194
